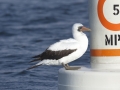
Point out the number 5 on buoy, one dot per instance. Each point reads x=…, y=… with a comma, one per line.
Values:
x=106, y=23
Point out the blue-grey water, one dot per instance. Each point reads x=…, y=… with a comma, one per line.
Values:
x=27, y=28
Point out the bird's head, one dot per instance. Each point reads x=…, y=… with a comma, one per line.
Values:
x=78, y=27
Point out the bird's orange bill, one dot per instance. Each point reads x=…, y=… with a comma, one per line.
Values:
x=85, y=29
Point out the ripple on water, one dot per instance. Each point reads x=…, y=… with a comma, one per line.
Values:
x=27, y=28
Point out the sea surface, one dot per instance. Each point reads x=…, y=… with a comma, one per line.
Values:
x=27, y=28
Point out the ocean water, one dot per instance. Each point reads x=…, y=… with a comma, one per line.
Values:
x=27, y=28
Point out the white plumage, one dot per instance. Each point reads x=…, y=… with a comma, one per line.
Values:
x=69, y=49
x=64, y=44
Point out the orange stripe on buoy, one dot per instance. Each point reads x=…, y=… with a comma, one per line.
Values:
x=105, y=52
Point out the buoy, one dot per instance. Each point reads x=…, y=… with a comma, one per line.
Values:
x=104, y=71
x=88, y=79
x=105, y=36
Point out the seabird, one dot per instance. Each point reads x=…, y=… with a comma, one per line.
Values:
x=65, y=51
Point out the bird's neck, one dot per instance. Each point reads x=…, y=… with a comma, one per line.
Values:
x=82, y=40
x=79, y=36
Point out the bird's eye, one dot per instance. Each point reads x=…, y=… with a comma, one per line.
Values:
x=79, y=28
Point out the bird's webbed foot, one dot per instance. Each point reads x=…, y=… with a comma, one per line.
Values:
x=67, y=67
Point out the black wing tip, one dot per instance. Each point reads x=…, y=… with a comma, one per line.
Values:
x=30, y=68
x=34, y=60
x=34, y=57
x=37, y=59
x=37, y=56
x=33, y=67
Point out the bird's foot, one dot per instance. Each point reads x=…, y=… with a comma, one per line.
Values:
x=67, y=67
x=72, y=68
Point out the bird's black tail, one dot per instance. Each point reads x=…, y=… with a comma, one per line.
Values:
x=33, y=67
x=36, y=59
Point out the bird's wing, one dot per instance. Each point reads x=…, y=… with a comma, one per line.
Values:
x=58, y=50
x=53, y=55
x=65, y=45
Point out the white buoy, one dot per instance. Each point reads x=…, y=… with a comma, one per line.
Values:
x=104, y=72
x=105, y=35
x=88, y=79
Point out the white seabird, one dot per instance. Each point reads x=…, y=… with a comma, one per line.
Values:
x=65, y=51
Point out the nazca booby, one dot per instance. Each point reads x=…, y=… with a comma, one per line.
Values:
x=65, y=51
